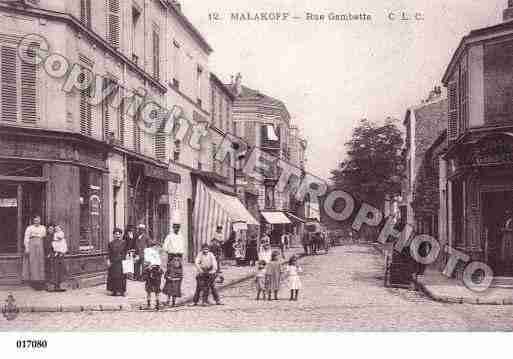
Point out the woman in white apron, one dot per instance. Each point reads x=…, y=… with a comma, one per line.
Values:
x=34, y=260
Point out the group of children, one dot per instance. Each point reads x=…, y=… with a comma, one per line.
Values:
x=268, y=278
x=152, y=276
x=269, y=275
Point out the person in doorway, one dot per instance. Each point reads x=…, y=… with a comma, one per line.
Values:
x=252, y=251
x=34, y=259
x=266, y=238
x=507, y=237
x=59, y=249
x=118, y=249
x=174, y=244
x=152, y=273
x=206, y=267
x=273, y=276
x=228, y=246
x=141, y=242
x=174, y=277
x=217, y=251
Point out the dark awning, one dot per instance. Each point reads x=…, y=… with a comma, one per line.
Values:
x=160, y=173
x=295, y=218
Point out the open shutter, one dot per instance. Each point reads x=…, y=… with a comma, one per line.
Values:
x=113, y=22
x=452, y=126
x=105, y=112
x=463, y=101
x=121, y=124
x=156, y=54
x=85, y=12
x=28, y=93
x=85, y=113
x=160, y=146
x=9, y=90
x=137, y=135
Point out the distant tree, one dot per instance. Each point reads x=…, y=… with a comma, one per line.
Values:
x=372, y=168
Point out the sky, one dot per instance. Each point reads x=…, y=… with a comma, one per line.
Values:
x=332, y=74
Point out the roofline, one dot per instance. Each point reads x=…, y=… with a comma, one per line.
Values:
x=477, y=35
x=191, y=29
x=224, y=87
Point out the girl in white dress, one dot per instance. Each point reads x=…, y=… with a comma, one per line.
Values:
x=293, y=280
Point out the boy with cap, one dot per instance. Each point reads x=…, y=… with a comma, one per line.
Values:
x=206, y=266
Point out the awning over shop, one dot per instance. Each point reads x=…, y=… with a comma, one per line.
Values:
x=160, y=173
x=213, y=208
x=295, y=218
x=276, y=217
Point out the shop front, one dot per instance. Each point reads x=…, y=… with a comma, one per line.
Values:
x=481, y=199
x=62, y=180
x=148, y=196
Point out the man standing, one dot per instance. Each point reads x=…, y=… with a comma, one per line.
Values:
x=206, y=266
x=142, y=240
x=174, y=244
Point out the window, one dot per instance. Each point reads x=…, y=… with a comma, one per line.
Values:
x=85, y=12
x=91, y=223
x=156, y=54
x=113, y=22
x=136, y=15
x=463, y=92
x=18, y=87
x=199, y=75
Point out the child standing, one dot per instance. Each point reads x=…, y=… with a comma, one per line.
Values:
x=260, y=280
x=152, y=273
x=174, y=277
x=293, y=281
x=273, y=276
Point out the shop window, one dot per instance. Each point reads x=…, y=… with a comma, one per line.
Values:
x=91, y=223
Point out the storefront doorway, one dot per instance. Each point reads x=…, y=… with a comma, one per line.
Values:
x=19, y=203
x=498, y=248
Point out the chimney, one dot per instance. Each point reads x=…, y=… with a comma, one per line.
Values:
x=507, y=14
x=238, y=84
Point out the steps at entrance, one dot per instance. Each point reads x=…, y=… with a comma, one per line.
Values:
x=503, y=282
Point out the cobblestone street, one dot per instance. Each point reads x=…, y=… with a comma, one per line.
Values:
x=342, y=291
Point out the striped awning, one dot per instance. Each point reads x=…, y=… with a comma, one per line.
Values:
x=276, y=217
x=213, y=208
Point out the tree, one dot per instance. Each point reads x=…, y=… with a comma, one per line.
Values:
x=372, y=168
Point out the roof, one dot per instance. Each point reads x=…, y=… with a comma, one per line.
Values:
x=222, y=86
x=486, y=33
x=262, y=102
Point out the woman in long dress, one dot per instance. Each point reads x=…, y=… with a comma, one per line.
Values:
x=116, y=279
x=34, y=260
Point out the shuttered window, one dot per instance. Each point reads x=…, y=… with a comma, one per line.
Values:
x=137, y=134
x=160, y=145
x=18, y=87
x=113, y=22
x=85, y=112
x=121, y=123
x=156, y=54
x=105, y=112
x=85, y=12
x=452, y=126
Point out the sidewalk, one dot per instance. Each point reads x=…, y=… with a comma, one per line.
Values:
x=450, y=290
x=440, y=288
x=98, y=299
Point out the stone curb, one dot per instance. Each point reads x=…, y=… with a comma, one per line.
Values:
x=126, y=307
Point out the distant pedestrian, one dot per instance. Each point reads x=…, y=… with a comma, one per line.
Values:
x=260, y=280
x=238, y=250
x=265, y=253
x=273, y=276
x=282, y=244
x=252, y=251
x=152, y=273
x=216, y=249
x=293, y=281
x=306, y=243
x=34, y=259
x=116, y=279
x=59, y=249
x=174, y=277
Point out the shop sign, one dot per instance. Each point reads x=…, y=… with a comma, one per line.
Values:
x=495, y=151
x=8, y=202
x=161, y=173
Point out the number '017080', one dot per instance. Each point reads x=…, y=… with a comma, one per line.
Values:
x=31, y=344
